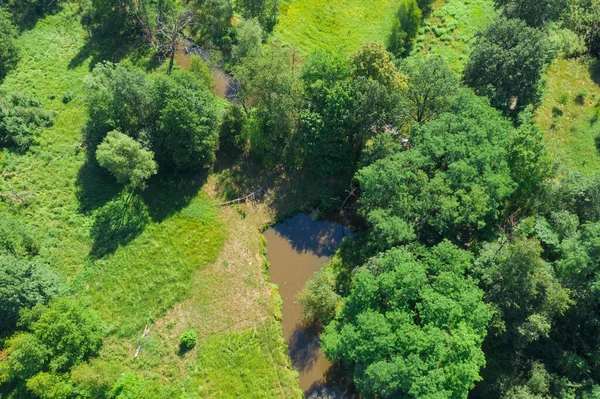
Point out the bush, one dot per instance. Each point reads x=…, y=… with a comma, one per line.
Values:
x=21, y=120
x=405, y=27
x=318, y=298
x=230, y=133
x=187, y=340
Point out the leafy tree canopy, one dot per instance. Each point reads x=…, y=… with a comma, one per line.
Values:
x=412, y=325
x=507, y=63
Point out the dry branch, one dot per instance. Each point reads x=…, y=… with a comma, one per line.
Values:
x=142, y=344
x=256, y=195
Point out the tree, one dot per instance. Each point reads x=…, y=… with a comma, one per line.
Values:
x=264, y=11
x=9, y=54
x=58, y=336
x=452, y=183
x=372, y=61
x=126, y=159
x=185, y=134
x=405, y=27
x=24, y=283
x=249, y=39
x=120, y=97
x=584, y=18
x=534, y=12
x=175, y=116
x=412, y=326
x=271, y=94
x=531, y=163
x=507, y=63
x=168, y=35
x=214, y=23
x=431, y=85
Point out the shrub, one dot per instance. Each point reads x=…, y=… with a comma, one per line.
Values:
x=21, y=120
x=187, y=340
x=318, y=298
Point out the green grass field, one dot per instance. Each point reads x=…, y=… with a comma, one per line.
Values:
x=341, y=25
x=450, y=29
x=156, y=259
x=570, y=113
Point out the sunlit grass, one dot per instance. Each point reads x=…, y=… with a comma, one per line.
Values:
x=570, y=114
x=334, y=25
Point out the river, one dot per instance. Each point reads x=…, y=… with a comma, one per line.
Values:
x=295, y=250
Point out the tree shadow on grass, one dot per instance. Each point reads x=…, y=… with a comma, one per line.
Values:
x=102, y=47
x=120, y=216
x=117, y=223
x=168, y=193
x=95, y=187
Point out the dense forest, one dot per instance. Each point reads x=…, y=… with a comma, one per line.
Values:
x=463, y=135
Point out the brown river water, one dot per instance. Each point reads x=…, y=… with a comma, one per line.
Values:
x=295, y=250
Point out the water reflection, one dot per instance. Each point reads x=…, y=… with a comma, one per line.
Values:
x=295, y=249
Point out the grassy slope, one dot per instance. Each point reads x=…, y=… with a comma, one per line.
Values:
x=571, y=122
x=450, y=29
x=173, y=260
x=309, y=25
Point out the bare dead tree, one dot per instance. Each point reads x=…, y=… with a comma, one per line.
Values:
x=168, y=36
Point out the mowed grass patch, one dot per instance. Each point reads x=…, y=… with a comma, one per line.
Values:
x=570, y=114
x=451, y=27
x=334, y=25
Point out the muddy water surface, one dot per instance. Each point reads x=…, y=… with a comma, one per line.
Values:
x=295, y=249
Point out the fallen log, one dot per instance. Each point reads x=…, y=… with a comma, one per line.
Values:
x=256, y=195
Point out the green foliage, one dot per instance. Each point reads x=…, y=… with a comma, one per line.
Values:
x=126, y=159
x=452, y=183
x=525, y=294
x=9, y=54
x=405, y=27
x=231, y=129
x=431, y=85
x=202, y=70
x=534, y=12
x=531, y=163
x=584, y=18
x=175, y=115
x=381, y=146
x=24, y=283
x=372, y=61
x=50, y=386
x=21, y=120
x=214, y=22
x=187, y=340
x=58, y=337
x=507, y=63
x=264, y=11
x=412, y=325
x=17, y=238
x=249, y=36
x=318, y=298
x=270, y=85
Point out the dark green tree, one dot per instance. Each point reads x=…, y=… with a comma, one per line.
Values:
x=265, y=11
x=534, y=12
x=412, y=326
x=431, y=85
x=452, y=183
x=24, y=283
x=507, y=63
x=405, y=27
x=9, y=54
